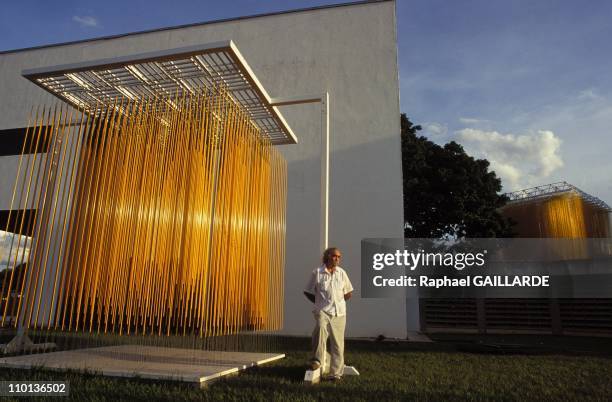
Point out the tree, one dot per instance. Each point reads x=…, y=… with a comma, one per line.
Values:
x=447, y=192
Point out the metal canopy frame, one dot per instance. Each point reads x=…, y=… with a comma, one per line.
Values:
x=95, y=84
x=323, y=99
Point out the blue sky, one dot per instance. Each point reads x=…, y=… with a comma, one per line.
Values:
x=526, y=84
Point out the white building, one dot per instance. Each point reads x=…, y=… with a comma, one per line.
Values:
x=348, y=51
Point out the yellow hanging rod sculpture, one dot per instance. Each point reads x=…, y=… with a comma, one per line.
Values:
x=154, y=215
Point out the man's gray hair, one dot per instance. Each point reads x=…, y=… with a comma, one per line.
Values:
x=327, y=254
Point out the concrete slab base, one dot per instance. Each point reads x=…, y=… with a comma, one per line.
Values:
x=315, y=376
x=350, y=370
x=189, y=365
x=312, y=376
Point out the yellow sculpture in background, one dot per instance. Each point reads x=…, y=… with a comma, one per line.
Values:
x=565, y=215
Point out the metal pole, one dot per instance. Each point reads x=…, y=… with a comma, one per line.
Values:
x=324, y=100
x=325, y=171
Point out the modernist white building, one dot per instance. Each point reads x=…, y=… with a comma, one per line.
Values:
x=348, y=51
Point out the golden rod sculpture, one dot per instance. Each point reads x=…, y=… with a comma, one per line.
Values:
x=160, y=215
x=564, y=215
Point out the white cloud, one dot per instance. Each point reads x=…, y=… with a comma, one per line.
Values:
x=469, y=120
x=588, y=95
x=582, y=120
x=436, y=132
x=520, y=160
x=511, y=175
x=85, y=21
x=436, y=128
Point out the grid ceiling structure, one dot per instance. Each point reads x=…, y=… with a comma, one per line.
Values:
x=96, y=84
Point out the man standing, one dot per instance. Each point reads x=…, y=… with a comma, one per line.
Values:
x=328, y=288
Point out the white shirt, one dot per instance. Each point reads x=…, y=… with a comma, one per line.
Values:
x=329, y=290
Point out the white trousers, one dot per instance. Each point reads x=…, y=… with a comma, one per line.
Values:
x=332, y=328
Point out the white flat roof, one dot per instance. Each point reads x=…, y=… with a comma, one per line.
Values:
x=95, y=84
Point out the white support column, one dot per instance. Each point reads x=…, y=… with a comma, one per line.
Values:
x=325, y=171
x=324, y=100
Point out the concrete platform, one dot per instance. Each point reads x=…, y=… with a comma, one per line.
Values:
x=194, y=366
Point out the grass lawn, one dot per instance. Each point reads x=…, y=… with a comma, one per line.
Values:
x=575, y=369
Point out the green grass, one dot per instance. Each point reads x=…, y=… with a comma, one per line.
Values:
x=389, y=371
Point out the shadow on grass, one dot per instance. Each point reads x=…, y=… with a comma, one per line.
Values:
x=294, y=373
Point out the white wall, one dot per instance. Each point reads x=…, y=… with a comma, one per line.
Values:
x=350, y=52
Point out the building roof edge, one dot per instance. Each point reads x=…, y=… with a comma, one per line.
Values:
x=194, y=24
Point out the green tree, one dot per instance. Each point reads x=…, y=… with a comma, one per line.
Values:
x=447, y=192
